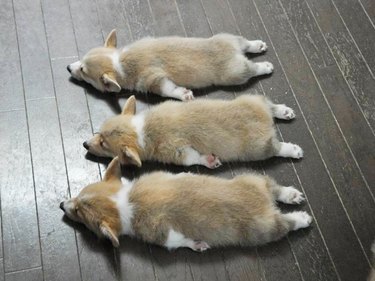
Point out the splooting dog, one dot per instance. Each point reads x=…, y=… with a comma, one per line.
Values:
x=201, y=132
x=170, y=66
x=187, y=210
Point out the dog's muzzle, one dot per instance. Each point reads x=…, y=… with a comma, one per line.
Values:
x=85, y=145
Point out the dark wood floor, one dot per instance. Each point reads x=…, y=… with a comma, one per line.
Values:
x=323, y=53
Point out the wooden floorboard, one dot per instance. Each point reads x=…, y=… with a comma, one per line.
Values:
x=347, y=56
x=322, y=51
x=369, y=8
x=360, y=28
x=18, y=207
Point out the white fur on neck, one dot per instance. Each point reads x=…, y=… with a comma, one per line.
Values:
x=115, y=57
x=121, y=198
x=138, y=121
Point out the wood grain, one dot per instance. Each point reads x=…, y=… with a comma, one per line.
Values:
x=18, y=208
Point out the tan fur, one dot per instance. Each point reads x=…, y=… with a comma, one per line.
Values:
x=239, y=211
x=241, y=129
x=187, y=62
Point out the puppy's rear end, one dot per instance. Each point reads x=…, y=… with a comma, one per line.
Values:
x=213, y=211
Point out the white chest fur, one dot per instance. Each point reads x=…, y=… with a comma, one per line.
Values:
x=138, y=121
x=115, y=57
x=125, y=208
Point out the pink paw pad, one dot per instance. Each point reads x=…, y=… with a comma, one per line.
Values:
x=213, y=161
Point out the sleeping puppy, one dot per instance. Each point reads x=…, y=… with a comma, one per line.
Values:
x=170, y=66
x=203, y=132
x=187, y=210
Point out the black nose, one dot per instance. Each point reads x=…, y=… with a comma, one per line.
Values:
x=68, y=68
x=85, y=145
x=62, y=206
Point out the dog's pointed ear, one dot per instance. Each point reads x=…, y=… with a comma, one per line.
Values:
x=130, y=156
x=110, y=83
x=109, y=233
x=113, y=171
x=129, y=107
x=111, y=41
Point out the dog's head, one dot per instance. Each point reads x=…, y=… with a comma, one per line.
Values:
x=94, y=207
x=117, y=137
x=100, y=66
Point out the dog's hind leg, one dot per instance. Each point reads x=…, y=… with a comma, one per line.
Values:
x=170, y=89
x=193, y=157
x=239, y=70
x=273, y=228
x=253, y=46
x=260, y=68
x=242, y=44
x=155, y=81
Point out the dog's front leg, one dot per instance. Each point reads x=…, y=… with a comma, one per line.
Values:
x=189, y=156
x=170, y=89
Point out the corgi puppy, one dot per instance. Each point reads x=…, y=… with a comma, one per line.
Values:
x=187, y=210
x=203, y=132
x=170, y=66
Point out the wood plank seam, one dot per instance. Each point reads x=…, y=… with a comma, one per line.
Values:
x=28, y=136
x=23, y=270
x=11, y=110
x=180, y=18
x=61, y=58
x=315, y=143
x=341, y=70
x=368, y=16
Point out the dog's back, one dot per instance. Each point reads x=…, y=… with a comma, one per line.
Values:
x=235, y=130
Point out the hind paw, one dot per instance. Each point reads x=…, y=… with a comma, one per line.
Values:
x=257, y=46
x=200, y=246
x=281, y=111
x=290, y=195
